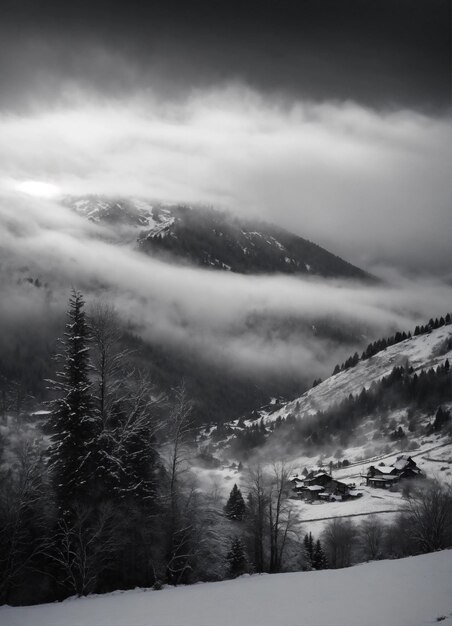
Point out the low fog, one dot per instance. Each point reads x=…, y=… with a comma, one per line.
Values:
x=203, y=311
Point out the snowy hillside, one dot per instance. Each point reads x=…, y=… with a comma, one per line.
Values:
x=414, y=591
x=432, y=451
x=138, y=216
x=420, y=352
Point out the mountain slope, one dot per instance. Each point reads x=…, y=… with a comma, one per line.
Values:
x=380, y=405
x=213, y=239
x=419, y=352
x=316, y=433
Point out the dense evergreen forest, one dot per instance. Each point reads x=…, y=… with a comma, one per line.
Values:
x=381, y=344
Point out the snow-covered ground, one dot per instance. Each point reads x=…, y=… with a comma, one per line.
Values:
x=415, y=591
x=421, y=352
x=433, y=454
x=433, y=457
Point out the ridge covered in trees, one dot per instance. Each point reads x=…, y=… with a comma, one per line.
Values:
x=423, y=391
x=381, y=344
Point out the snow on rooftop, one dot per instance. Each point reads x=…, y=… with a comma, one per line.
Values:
x=385, y=469
x=401, y=462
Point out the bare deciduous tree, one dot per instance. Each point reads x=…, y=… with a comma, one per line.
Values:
x=371, y=538
x=84, y=545
x=178, y=499
x=339, y=539
x=270, y=519
x=257, y=505
x=23, y=507
x=108, y=358
x=429, y=512
x=281, y=518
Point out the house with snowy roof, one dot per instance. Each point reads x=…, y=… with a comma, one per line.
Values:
x=322, y=486
x=386, y=476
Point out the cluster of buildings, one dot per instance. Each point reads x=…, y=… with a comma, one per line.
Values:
x=322, y=486
x=385, y=476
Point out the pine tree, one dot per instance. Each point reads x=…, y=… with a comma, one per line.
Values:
x=236, y=559
x=235, y=506
x=319, y=558
x=75, y=429
x=309, y=547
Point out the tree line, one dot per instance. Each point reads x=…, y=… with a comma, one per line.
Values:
x=423, y=525
x=426, y=390
x=381, y=344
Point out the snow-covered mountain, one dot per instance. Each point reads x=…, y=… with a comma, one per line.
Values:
x=208, y=238
x=135, y=217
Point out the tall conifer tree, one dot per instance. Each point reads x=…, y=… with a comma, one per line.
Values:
x=235, y=506
x=236, y=559
x=75, y=427
x=318, y=557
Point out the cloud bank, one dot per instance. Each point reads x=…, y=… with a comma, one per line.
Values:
x=211, y=314
x=374, y=187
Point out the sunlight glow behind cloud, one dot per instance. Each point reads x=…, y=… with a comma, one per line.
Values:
x=38, y=189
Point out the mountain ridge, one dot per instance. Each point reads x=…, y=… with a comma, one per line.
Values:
x=208, y=238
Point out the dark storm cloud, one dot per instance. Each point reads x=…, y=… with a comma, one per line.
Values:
x=384, y=53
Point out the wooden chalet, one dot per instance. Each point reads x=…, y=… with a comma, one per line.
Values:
x=386, y=476
x=322, y=486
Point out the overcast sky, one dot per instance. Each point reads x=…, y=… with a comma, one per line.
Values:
x=330, y=117
x=393, y=53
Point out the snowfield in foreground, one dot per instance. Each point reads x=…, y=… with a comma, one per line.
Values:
x=415, y=591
